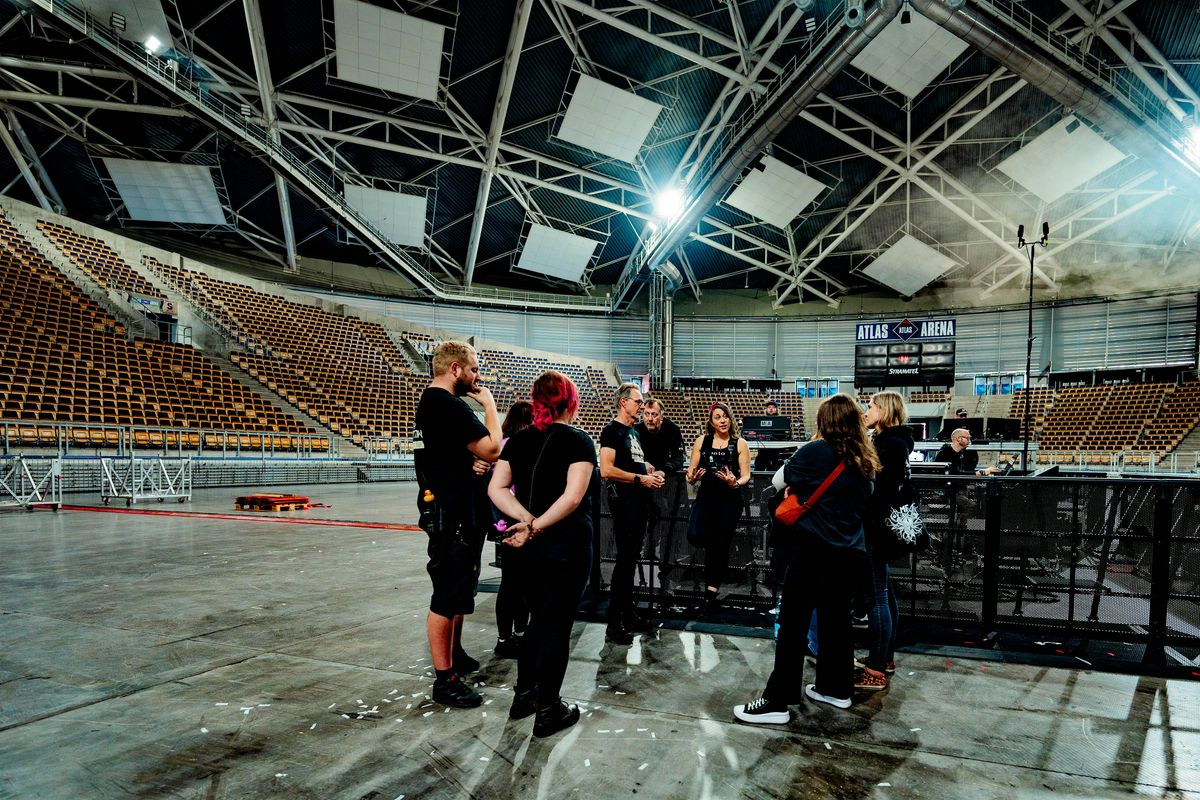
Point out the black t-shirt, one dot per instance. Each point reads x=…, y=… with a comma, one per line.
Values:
x=963, y=463
x=712, y=460
x=444, y=426
x=629, y=457
x=540, y=461
x=664, y=448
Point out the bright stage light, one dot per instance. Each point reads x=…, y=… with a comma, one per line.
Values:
x=152, y=44
x=668, y=204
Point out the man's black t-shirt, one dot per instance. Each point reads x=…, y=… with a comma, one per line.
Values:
x=444, y=426
x=963, y=463
x=624, y=440
x=540, y=461
x=663, y=448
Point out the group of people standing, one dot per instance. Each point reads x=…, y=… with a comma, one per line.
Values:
x=540, y=475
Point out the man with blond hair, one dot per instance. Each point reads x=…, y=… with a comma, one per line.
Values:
x=448, y=437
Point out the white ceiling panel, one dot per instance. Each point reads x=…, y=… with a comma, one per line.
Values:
x=908, y=266
x=776, y=194
x=399, y=217
x=155, y=191
x=387, y=50
x=909, y=57
x=1058, y=161
x=608, y=120
x=555, y=253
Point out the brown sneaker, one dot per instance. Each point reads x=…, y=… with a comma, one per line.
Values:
x=868, y=680
x=890, y=669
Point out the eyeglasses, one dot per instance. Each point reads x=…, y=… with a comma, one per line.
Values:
x=639, y=402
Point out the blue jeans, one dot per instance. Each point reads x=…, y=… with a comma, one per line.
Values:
x=883, y=615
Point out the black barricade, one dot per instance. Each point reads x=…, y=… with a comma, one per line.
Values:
x=1089, y=557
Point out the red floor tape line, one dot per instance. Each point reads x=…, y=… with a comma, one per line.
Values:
x=338, y=523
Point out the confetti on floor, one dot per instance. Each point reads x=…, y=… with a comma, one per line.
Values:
x=587, y=762
x=204, y=730
x=280, y=774
x=828, y=746
x=427, y=714
x=913, y=730
x=883, y=784
x=221, y=704
x=643, y=766
x=312, y=727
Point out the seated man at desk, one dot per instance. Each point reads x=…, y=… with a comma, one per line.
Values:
x=962, y=459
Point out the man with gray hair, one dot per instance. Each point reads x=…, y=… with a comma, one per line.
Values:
x=630, y=480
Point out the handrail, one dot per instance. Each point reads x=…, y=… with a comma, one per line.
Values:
x=232, y=118
x=1118, y=81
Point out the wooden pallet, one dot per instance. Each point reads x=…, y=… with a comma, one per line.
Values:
x=272, y=502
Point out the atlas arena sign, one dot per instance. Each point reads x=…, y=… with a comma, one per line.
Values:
x=904, y=330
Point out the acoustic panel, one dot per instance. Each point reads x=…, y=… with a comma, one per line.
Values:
x=908, y=266
x=1061, y=160
x=399, y=217
x=908, y=57
x=387, y=50
x=608, y=120
x=555, y=253
x=776, y=194
x=156, y=191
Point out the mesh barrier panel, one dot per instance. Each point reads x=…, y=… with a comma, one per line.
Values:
x=1061, y=554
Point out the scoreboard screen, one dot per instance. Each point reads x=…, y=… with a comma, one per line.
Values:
x=904, y=364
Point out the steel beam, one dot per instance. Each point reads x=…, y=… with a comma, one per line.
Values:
x=508, y=77
x=23, y=166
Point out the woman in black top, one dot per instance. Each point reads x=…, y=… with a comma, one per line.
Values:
x=551, y=466
x=893, y=441
x=511, y=614
x=825, y=564
x=721, y=464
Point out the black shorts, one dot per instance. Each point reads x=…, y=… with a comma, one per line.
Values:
x=454, y=568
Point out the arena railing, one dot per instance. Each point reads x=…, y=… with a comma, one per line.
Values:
x=85, y=439
x=1140, y=461
x=1100, y=558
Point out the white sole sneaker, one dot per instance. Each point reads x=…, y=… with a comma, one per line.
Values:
x=765, y=718
x=837, y=702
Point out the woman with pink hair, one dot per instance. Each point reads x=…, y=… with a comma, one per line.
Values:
x=551, y=465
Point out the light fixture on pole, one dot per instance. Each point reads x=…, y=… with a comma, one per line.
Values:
x=1029, y=339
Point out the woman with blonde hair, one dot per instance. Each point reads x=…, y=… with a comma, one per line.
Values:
x=826, y=561
x=893, y=441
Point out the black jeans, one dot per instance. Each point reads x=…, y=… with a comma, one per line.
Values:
x=819, y=577
x=722, y=510
x=511, y=612
x=629, y=532
x=551, y=590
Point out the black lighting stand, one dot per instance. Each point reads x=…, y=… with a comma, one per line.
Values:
x=1029, y=340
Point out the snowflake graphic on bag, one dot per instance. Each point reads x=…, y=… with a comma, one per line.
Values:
x=907, y=525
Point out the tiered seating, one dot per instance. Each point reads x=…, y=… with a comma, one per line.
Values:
x=423, y=342
x=1041, y=400
x=1178, y=416
x=342, y=371
x=64, y=359
x=689, y=408
x=515, y=373
x=98, y=260
x=1129, y=409
x=929, y=397
x=1070, y=422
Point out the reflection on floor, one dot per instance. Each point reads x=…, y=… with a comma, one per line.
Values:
x=177, y=657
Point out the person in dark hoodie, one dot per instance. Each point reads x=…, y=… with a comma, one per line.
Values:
x=893, y=440
x=826, y=559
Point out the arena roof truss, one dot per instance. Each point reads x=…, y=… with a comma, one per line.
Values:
x=465, y=106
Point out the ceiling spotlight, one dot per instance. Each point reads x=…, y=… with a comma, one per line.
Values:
x=152, y=44
x=668, y=204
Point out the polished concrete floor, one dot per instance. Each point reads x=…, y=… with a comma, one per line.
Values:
x=151, y=656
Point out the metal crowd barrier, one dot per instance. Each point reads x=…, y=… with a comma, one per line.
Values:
x=1104, y=558
x=135, y=479
x=26, y=482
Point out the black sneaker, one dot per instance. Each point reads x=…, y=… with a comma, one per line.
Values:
x=636, y=623
x=711, y=605
x=859, y=623
x=552, y=719
x=618, y=634
x=508, y=648
x=456, y=694
x=463, y=664
x=524, y=704
x=763, y=712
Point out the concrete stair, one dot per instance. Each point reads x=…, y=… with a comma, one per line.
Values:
x=345, y=447
x=416, y=362
x=1187, y=450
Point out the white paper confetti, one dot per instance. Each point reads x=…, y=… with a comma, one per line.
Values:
x=264, y=705
x=221, y=704
x=642, y=730
x=620, y=693
x=331, y=705
x=619, y=730
x=643, y=766
x=485, y=713
x=280, y=774
x=604, y=730
x=313, y=726
x=204, y=730
x=883, y=784
x=484, y=758
x=587, y=762
x=913, y=730
x=427, y=714
x=828, y=746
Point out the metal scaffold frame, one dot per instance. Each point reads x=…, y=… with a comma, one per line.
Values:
x=146, y=479
x=27, y=482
